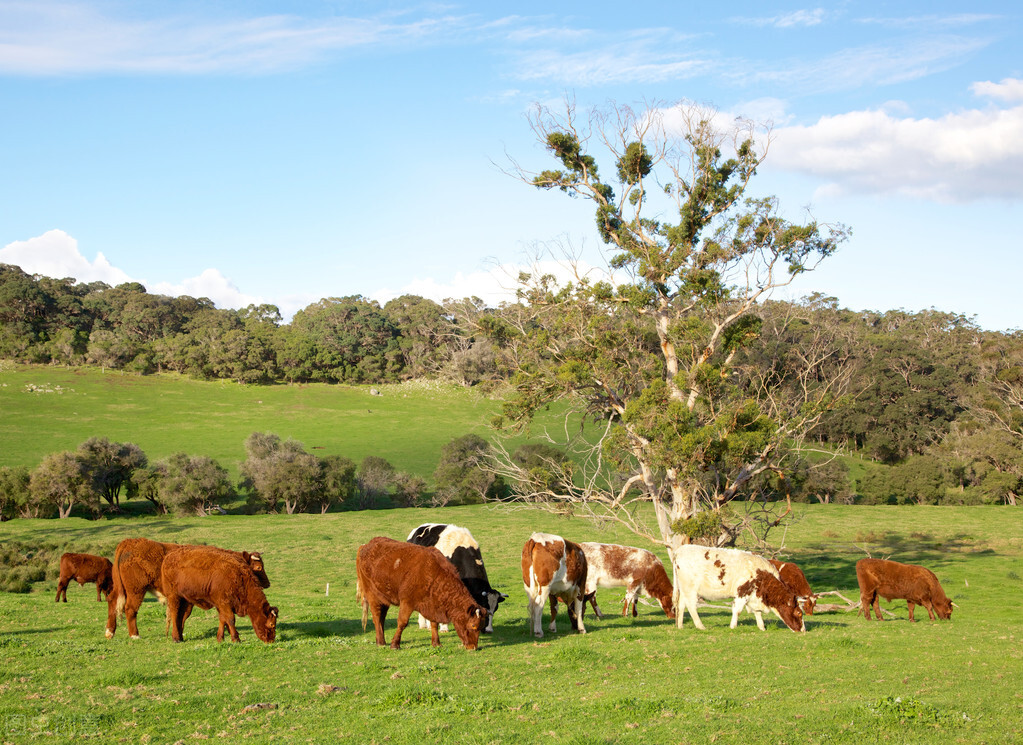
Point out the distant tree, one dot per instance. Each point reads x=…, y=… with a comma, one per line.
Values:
x=462, y=476
x=61, y=482
x=375, y=477
x=409, y=489
x=280, y=473
x=109, y=465
x=425, y=333
x=15, y=497
x=339, y=486
x=193, y=485
x=146, y=482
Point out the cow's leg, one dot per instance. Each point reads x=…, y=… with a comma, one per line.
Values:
x=535, y=610
x=379, y=613
x=62, y=584
x=930, y=611
x=99, y=593
x=404, y=613
x=111, y=615
x=911, y=606
x=738, y=604
x=227, y=619
x=553, y=627
x=434, y=635
x=690, y=605
x=631, y=593
x=877, y=607
x=174, y=619
x=760, y=620
x=578, y=602
x=132, y=604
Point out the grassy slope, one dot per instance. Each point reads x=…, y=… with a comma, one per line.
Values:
x=629, y=681
x=408, y=424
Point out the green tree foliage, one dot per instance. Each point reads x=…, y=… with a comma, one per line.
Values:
x=375, y=477
x=15, y=497
x=60, y=482
x=192, y=485
x=347, y=339
x=339, y=486
x=281, y=474
x=109, y=466
x=426, y=334
x=659, y=355
x=462, y=475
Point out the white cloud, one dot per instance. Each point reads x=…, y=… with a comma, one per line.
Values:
x=960, y=157
x=52, y=37
x=212, y=284
x=1009, y=90
x=788, y=20
x=55, y=254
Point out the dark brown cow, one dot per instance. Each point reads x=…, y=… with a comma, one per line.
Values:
x=415, y=578
x=211, y=577
x=85, y=568
x=137, y=570
x=889, y=579
x=635, y=569
x=793, y=576
x=553, y=567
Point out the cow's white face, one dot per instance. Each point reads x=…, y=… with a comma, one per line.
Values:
x=492, y=598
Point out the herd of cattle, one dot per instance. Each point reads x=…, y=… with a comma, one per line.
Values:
x=438, y=571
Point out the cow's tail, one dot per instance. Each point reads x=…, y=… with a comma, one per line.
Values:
x=115, y=576
x=361, y=597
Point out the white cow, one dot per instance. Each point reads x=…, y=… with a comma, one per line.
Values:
x=721, y=573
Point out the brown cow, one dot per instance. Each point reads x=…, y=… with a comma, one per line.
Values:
x=636, y=569
x=85, y=568
x=793, y=576
x=137, y=570
x=553, y=567
x=207, y=576
x=915, y=584
x=415, y=578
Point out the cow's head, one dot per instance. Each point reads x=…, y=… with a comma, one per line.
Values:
x=266, y=629
x=943, y=608
x=808, y=603
x=492, y=598
x=255, y=562
x=779, y=597
x=469, y=629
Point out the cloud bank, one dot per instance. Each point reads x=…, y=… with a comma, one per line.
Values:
x=960, y=157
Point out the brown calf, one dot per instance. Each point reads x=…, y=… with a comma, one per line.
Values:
x=889, y=579
x=414, y=578
x=211, y=577
x=85, y=568
x=137, y=570
x=793, y=576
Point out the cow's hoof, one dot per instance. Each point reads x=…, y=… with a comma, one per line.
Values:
x=109, y=634
x=135, y=637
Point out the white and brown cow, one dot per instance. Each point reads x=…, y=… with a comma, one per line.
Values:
x=639, y=571
x=720, y=573
x=463, y=552
x=553, y=567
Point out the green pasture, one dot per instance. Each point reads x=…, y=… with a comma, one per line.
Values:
x=48, y=409
x=626, y=681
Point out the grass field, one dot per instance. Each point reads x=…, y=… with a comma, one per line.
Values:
x=626, y=681
x=48, y=409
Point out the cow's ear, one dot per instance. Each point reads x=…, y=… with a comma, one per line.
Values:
x=501, y=597
x=246, y=556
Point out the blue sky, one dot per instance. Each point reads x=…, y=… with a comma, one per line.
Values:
x=282, y=152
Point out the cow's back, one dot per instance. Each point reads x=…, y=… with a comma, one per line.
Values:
x=391, y=570
x=137, y=565
x=206, y=575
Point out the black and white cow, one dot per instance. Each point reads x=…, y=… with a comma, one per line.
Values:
x=461, y=549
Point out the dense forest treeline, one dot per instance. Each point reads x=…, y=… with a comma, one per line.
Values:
x=932, y=395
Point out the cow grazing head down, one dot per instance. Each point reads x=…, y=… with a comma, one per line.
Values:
x=493, y=598
x=266, y=628
x=470, y=633
x=777, y=596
